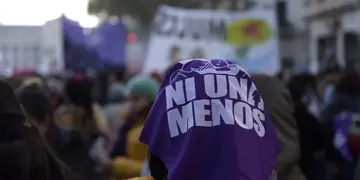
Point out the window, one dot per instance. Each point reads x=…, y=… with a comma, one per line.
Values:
x=351, y=48
x=281, y=9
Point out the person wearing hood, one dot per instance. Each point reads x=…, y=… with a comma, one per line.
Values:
x=23, y=152
x=209, y=122
x=129, y=153
x=280, y=108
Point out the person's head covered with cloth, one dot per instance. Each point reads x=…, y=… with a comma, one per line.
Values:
x=209, y=122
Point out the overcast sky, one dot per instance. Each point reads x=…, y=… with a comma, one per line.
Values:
x=37, y=12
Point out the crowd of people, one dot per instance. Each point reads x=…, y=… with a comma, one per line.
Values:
x=201, y=120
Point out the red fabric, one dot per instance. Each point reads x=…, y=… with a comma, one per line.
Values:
x=354, y=144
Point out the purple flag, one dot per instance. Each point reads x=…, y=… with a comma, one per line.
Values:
x=95, y=47
x=209, y=122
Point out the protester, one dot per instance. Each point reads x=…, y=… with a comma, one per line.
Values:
x=23, y=152
x=115, y=114
x=82, y=123
x=37, y=108
x=117, y=91
x=129, y=152
x=309, y=129
x=55, y=84
x=346, y=99
x=280, y=108
x=81, y=112
x=193, y=133
x=117, y=104
x=326, y=81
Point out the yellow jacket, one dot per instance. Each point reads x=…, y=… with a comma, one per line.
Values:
x=130, y=166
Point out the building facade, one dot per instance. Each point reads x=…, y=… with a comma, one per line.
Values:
x=23, y=47
x=293, y=33
x=20, y=47
x=334, y=27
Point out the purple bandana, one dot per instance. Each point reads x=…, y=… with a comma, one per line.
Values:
x=208, y=122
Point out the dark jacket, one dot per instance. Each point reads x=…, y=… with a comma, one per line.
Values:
x=311, y=139
x=309, y=129
x=69, y=146
x=279, y=104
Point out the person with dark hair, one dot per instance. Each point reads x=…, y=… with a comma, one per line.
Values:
x=81, y=120
x=346, y=97
x=55, y=86
x=308, y=126
x=346, y=100
x=326, y=81
x=37, y=107
x=174, y=54
x=23, y=152
x=80, y=110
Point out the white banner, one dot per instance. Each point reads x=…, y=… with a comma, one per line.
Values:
x=249, y=38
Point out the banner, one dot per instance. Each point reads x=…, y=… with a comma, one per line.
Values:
x=248, y=38
x=93, y=48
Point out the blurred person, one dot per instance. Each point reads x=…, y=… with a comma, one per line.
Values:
x=287, y=69
x=23, y=152
x=309, y=129
x=280, y=107
x=56, y=89
x=198, y=53
x=208, y=122
x=68, y=145
x=174, y=54
x=117, y=90
x=115, y=115
x=117, y=104
x=129, y=153
x=37, y=108
x=326, y=81
x=80, y=111
x=82, y=120
x=346, y=99
x=346, y=95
